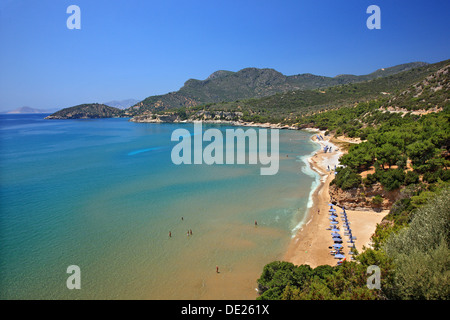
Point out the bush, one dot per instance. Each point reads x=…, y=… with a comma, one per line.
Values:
x=369, y=180
x=421, y=252
x=346, y=179
x=278, y=275
x=377, y=201
x=411, y=177
x=391, y=179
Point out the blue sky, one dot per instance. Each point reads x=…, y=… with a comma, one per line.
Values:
x=134, y=49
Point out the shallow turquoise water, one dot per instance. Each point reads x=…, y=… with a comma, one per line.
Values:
x=104, y=194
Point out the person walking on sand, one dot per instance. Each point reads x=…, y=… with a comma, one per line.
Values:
x=217, y=269
x=256, y=223
x=190, y=232
x=170, y=234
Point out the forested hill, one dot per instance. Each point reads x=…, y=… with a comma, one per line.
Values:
x=402, y=164
x=251, y=83
x=87, y=111
x=290, y=107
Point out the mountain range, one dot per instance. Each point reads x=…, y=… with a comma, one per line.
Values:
x=24, y=110
x=227, y=89
x=249, y=83
x=121, y=104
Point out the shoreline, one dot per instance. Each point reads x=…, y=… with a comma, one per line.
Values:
x=310, y=245
x=238, y=123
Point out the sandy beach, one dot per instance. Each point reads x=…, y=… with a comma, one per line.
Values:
x=311, y=243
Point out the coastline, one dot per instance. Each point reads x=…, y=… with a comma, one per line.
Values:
x=237, y=123
x=310, y=245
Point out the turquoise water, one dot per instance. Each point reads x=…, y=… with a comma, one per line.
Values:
x=104, y=194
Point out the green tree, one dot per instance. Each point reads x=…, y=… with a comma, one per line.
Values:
x=421, y=252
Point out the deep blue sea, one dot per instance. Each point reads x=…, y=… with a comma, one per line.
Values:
x=104, y=194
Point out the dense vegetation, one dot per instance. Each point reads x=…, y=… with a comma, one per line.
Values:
x=414, y=264
x=291, y=107
x=87, y=111
x=227, y=86
x=407, y=152
x=400, y=147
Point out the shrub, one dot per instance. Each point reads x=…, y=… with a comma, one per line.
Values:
x=421, y=252
x=346, y=179
x=278, y=275
x=377, y=200
x=411, y=177
x=391, y=179
x=369, y=180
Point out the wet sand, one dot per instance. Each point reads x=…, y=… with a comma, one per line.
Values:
x=311, y=243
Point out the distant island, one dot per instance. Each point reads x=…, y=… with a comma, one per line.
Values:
x=87, y=111
x=27, y=110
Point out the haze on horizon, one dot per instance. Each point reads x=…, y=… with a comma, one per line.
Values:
x=135, y=49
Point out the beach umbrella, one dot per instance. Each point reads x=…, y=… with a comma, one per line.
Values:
x=331, y=218
x=339, y=256
x=330, y=204
x=337, y=240
x=332, y=210
x=337, y=245
x=334, y=222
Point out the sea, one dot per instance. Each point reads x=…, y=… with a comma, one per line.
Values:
x=104, y=194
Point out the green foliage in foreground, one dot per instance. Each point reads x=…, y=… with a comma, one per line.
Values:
x=421, y=252
x=414, y=261
x=400, y=143
x=284, y=281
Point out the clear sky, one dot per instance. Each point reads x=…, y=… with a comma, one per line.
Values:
x=134, y=49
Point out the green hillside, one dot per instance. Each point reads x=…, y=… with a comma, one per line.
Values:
x=250, y=83
x=406, y=143
x=87, y=111
x=290, y=107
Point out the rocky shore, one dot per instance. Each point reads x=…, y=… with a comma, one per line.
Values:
x=220, y=117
